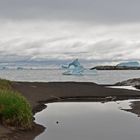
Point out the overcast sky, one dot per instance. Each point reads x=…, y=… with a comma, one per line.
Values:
x=92, y=30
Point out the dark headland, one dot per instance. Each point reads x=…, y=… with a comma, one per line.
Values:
x=39, y=93
x=115, y=68
x=132, y=65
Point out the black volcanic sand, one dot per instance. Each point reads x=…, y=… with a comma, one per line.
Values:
x=40, y=93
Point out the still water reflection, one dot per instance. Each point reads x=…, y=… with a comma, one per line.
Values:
x=88, y=121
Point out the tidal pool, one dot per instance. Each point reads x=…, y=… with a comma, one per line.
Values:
x=88, y=121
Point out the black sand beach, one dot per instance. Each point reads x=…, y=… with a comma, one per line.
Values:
x=39, y=93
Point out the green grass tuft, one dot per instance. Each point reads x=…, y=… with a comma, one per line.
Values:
x=5, y=84
x=14, y=108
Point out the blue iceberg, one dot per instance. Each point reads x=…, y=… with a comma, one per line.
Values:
x=75, y=68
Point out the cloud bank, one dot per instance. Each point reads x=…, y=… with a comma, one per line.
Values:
x=91, y=30
x=66, y=41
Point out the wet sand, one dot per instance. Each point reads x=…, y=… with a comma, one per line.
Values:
x=40, y=93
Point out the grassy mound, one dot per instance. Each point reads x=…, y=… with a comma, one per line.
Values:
x=14, y=108
x=5, y=84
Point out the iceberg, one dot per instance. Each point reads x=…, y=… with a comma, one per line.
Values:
x=75, y=68
x=129, y=64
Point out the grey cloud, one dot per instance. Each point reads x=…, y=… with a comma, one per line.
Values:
x=60, y=41
x=98, y=11
x=103, y=50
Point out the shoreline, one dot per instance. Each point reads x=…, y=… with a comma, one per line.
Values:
x=38, y=94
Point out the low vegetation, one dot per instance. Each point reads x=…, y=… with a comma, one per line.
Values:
x=14, y=108
x=5, y=84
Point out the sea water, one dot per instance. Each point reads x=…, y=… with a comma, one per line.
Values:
x=88, y=121
x=51, y=75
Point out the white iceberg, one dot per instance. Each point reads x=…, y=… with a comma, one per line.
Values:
x=75, y=68
x=129, y=64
